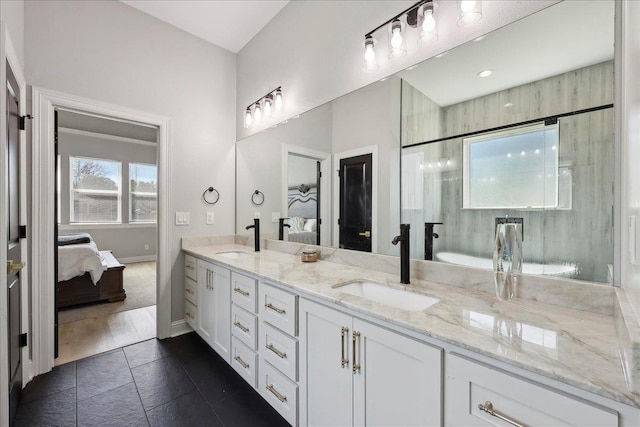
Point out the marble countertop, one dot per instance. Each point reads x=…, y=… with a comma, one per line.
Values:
x=575, y=347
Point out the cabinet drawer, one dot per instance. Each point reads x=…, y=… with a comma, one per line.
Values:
x=191, y=290
x=279, y=308
x=244, y=361
x=190, y=313
x=280, y=392
x=244, y=326
x=279, y=349
x=243, y=291
x=470, y=384
x=191, y=267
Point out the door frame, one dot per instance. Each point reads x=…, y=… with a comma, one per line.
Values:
x=370, y=149
x=44, y=182
x=8, y=54
x=325, y=200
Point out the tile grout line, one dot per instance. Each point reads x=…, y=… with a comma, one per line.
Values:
x=133, y=378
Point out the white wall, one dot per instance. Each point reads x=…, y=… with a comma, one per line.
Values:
x=630, y=132
x=112, y=53
x=12, y=14
x=313, y=49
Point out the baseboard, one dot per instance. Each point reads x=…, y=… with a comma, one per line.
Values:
x=133, y=259
x=180, y=327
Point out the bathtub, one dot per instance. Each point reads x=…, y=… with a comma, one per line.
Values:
x=559, y=270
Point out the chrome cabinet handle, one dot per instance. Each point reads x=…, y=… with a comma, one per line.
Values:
x=280, y=354
x=279, y=396
x=244, y=364
x=344, y=361
x=488, y=408
x=189, y=315
x=190, y=267
x=241, y=327
x=274, y=308
x=356, y=337
x=190, y=291
x=241, y=292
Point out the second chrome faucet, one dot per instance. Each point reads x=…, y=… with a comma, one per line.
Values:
x=403, y=239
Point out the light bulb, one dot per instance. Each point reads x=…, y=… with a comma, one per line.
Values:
x=470, y=12
x=267, y=107
x=247, y=117
x=257, y=112
x=369, y=54
x=467, y=5
x=278, y=101
x=370, y=62
x=448, y=162
x=429, y=22
x=396, y=38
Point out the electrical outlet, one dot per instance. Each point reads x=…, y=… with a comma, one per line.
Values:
x=256, y=215
x=182, y=218
x=210, y=218
x=275, y=217
x=146, y=247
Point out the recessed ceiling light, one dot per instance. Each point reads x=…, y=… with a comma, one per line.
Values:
x=508, y=155
x=508, y=105
x=440, y=55
x=477, y=39
x=411, y=68
x=383, y=79
x=485, y=73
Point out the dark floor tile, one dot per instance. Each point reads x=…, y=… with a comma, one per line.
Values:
x=61, y=378
x=188, y=347
x=55, y=410
x=118, y=407
x=145, y=352
x=188, y=410
x=214, y=378
x=102, y=373
x=160, y=381
x=248, y=409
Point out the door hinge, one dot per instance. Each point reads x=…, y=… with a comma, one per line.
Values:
x=22, y=232
x=320, y=221
x=23, y=121
x=23, y=340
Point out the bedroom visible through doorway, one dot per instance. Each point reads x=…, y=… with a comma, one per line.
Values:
x=107, y=205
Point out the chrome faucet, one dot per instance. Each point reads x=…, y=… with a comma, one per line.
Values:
x=256, y=233
x=403, y=238
x=281, y=226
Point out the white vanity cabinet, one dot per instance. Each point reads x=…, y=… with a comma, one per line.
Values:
x=244, y=327
x=509, y=400
x=213, y=322
x=353, y=372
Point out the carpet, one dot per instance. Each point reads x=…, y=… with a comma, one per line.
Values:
x=139, y=281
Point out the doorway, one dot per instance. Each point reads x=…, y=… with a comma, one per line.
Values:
x=356, y=190
x=107, y=209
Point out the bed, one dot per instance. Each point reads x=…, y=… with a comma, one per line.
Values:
x=86, y=274
x=303, y=202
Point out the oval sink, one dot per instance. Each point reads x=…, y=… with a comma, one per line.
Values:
x=386, y=295
x=235, y=254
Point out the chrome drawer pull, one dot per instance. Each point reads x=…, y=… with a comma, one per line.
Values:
x=356, y=366
x=279, y=353
x=241, y=327
x=189, y=315
x=276, y=309
x=244, y=364
x=190, y=291
x=344, y=361
x=280, y=397
x=241, y=292
x=488, y=408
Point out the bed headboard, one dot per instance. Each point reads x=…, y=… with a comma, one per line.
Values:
x=303, y=203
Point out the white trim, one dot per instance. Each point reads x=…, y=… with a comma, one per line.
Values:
x=113, y=226
x=325, y=186
x=44, y=103
x=134, y=259
x=106, y=136
x=370, y=149
x=180, y=327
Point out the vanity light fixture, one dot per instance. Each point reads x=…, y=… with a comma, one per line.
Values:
x=396, y=39
x=370, y=62
x=266, y=104
x=469, y=12
x=429, y=31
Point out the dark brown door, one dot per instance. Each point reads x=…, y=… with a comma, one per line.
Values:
x=355, y=203
x=14, y=250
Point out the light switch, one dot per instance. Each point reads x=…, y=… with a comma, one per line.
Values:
x=210, y=218
x=275, y=216
x=182, y=218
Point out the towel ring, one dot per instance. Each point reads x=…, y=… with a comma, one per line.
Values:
x=210, y=190
x=257, y=198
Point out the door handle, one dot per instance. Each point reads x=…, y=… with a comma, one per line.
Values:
x=365, y=234
x=14, y=266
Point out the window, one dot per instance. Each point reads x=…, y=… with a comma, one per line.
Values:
x=95, y=190
x=143, y=190
x=517, y=169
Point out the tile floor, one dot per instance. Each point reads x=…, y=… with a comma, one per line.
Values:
x=86, y=337
x=174, y=382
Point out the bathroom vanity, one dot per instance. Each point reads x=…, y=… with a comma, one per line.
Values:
x=321, y=353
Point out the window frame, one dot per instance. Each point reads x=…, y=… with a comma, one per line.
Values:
x=131, y=221
x=72, y=191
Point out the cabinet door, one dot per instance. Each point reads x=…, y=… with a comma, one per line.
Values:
x=205, y=314
x=221, y=312
x=399, y=380
x=325, y=382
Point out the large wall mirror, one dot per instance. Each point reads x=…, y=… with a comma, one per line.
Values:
x=452, y=151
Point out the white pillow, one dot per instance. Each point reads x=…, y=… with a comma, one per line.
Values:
x=311, y=225
x=296, y=224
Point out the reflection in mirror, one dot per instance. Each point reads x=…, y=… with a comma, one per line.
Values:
x=540, y=150
x=303, y=196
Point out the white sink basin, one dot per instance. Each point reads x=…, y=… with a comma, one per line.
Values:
x=386, y=295
x=235, y=254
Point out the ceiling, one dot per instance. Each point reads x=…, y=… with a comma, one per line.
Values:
x=228, y=24
x=568, y=36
